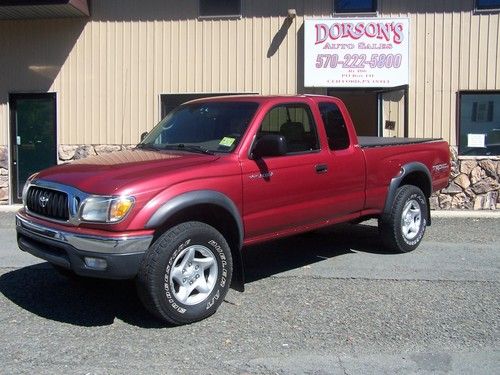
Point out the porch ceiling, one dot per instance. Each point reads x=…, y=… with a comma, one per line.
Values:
x=27, y=9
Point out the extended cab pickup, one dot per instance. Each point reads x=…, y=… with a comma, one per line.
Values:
x=214, y=176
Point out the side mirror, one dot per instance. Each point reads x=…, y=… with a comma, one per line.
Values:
x=269, y=145
x=144, y=135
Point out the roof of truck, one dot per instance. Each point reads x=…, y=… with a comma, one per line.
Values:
x=256, y=97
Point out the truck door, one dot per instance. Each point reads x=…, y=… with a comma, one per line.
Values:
x=287, y=191
x=346, y=163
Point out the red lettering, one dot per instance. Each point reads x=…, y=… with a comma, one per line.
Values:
x=386, y=31
x=321, y=28
x=398, y=33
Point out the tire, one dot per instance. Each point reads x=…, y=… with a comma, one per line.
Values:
x=404, y=226
x=185, y=274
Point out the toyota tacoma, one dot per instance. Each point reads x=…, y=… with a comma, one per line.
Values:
x=214, y=176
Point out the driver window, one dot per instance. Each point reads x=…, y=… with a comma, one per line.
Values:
x=295, y=123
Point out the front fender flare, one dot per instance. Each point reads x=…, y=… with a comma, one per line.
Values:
x=200, y=197
x=194, y=198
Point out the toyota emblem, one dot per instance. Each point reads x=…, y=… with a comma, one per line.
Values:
x=43, y=200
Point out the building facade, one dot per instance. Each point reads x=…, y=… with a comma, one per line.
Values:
x=79, y=78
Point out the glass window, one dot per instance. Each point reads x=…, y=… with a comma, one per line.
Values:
x=214, y=8
x=355, y=6
x=479, y=126
x=295, y=123
x=171, y=101
x=336, y=129
x=202, y=127
x=487, y=4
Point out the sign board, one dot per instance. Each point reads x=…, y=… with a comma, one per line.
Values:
x=356, y=52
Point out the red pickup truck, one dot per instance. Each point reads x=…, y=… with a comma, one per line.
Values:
x=214, y=176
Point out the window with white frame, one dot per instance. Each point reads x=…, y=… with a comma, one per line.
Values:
x=355, y=6
x=487, y=4
x=220, y=8
x=479, y=123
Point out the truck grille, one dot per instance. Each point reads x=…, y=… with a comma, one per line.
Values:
x=46, y=202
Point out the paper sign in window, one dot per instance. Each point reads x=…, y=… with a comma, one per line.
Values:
x=227, y=141
x=475, y=140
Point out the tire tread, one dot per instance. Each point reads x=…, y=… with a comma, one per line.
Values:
x=145, y=280
x=389, y=224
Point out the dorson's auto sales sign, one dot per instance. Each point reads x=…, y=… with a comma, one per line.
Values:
x=359, y=52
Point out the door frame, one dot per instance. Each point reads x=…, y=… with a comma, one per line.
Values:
x=380, y=100
x=379, y=91
x=12, y=135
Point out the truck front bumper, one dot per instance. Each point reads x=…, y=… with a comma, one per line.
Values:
x=107, y=257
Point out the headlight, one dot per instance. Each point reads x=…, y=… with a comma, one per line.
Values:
x=105, y=209
x=26, y=185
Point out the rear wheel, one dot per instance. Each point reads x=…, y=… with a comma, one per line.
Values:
x=186, y=273
x=403, y=228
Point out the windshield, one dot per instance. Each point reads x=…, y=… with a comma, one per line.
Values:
x=205, y=127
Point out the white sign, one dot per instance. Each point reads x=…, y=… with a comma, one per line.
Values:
x=476, y=140
x=356, y=52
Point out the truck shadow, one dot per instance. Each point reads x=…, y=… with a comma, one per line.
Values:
x=42, y=291
x=85, y=302
x=278, y=256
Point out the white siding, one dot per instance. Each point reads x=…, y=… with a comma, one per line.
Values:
x=109, y=70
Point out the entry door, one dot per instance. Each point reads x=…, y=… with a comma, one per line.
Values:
x=393, y=117
x=33, y=136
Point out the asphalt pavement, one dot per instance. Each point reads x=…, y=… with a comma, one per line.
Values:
x=330, y=302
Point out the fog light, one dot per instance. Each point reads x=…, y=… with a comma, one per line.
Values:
x=96, y=263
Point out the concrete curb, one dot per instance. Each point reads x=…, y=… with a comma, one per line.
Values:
x=484, y=214
x=10, y=207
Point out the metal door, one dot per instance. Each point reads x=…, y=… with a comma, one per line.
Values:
x=33, y=137
x=393, y=112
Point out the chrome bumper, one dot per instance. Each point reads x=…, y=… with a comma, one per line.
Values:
x=103, y=245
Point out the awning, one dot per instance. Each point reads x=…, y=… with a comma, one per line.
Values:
x=26, y=9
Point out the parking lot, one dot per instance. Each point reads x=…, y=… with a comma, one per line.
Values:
x=332, y=302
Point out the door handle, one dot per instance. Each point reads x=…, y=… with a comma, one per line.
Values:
x=321, y=168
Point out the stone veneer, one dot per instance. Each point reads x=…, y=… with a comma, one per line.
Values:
x=67, y=153
x=474, y=184
x=4, y=174
x=474, y=181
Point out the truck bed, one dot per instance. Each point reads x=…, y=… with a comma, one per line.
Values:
x=367, y=142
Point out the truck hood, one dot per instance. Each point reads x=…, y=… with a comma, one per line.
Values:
x=108, y=173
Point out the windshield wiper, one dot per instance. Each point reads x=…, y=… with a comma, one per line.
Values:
x=192, y=148
x=146, y=146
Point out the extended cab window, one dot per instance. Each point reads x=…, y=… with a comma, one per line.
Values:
x=336, y=129
x=295, y=123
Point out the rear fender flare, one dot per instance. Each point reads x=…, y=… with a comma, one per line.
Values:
x=396, y=182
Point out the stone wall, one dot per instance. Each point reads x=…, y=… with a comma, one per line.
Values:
x=67, y=153
x=474, y=184
x=4, y=175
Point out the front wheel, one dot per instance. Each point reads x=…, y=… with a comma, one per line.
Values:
x=186, y=273
x=404, y=226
